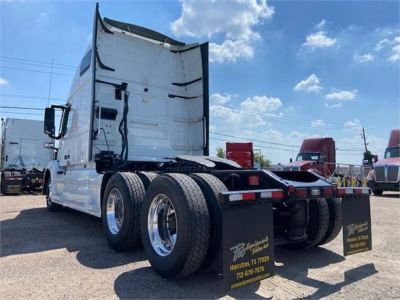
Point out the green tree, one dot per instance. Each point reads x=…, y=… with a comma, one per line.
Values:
x=220, y=152
x=260, y=159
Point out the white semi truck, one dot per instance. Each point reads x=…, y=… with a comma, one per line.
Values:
x=22, y=156
x=133, y=151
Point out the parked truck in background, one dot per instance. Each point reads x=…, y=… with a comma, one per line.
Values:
x=317, y=154
x=22, y=156
x=133, y=150
x=385, y=175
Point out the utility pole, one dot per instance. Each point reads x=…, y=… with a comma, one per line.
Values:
x=51, y=77
x=365, y=139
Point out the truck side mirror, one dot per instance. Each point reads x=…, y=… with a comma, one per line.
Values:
x=49, y=127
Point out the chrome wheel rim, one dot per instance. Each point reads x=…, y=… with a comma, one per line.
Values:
x=162, y=225
x=115, y=211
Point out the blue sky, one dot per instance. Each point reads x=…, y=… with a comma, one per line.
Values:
x=280, y=71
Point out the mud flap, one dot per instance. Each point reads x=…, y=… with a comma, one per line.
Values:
x=356, y=220
x=247, y=236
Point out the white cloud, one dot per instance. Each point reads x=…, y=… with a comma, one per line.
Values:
x=354, y=123
x=394, y=43
x=395, y=50
x=234, y=21
x=331, y=106
x=319, y=40
x=382, y=44
x=362, y=58
x=262, y=104
x=341, y=95
x=318, y=123
x=310, y=84
x=321, y=24
x=230, y=51
x=3, y=81
x=221, y=99
x=42, y=18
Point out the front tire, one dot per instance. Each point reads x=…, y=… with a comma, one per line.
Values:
x=175, y=226
x=121, y=208
x=51, y=206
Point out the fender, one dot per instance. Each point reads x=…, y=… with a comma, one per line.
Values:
x=52, y=169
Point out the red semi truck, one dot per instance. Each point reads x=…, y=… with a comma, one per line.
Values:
x=317, y=154
x=386, y=173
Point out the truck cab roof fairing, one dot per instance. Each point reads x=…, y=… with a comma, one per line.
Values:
x=144, y=32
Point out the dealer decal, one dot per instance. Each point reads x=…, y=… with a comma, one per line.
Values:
x=356, y=225
x=248, y=250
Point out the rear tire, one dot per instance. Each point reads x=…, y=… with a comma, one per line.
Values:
x=147, y=178
x=335, y=220
x=317, y=225
x=51, y=206
x=377, y=192
x=211, y=186
x=2, y=187
x=121, y=208
x=175, y=226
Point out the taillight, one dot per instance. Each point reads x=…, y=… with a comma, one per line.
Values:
x=249, y=196
x=291, y=188
x=328, y=192
x=272, y=194
x=244, y=197
x=254, y=180
x=301, y=193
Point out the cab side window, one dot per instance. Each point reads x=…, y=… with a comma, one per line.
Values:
x=85, y=64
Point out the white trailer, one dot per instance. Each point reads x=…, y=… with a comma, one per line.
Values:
x=23, y=157
x=133, y=150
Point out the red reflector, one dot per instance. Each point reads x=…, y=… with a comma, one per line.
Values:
x=277, y=194
x=254, y=180
x=341, y=191
x=328, y=192
x=249, y=196
x=358, y=191
x=301, y=193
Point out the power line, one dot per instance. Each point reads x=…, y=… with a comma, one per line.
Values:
x=21, y=113
x=36, y=61
x=36, y=71
x=297, y=121
x=243, y=138
x=20, y=107
x=35, y=65
x=259, y=146
x=30, y=97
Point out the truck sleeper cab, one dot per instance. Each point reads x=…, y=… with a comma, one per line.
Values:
x=133, y=150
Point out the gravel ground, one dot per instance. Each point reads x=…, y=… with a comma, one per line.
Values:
x=65, y=255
